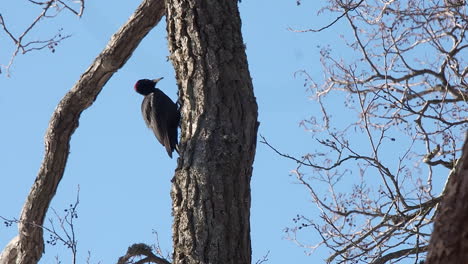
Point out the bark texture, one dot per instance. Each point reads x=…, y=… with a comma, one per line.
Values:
x=28, y=246
x=449, y=240
x=211, y=187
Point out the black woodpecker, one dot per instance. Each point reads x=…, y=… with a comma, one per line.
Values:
x=160, y=113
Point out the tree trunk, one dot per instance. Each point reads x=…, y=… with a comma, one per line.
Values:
x=211, y=186
x=28, y=246
x=449, y=240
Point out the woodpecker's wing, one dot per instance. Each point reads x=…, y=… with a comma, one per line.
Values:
x=156, y=109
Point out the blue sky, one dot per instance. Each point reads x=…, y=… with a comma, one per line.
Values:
x=123, y=172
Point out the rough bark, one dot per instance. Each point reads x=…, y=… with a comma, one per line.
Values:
x=449, y=240
x=27, y=247
x=211, y=186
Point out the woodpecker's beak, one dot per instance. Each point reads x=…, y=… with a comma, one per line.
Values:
x=157, y=80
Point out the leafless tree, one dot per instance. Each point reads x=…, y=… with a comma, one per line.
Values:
x=47, y=10
x=382, y=152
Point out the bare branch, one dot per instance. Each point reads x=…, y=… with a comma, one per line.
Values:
x=50, y=9
x=346, y=8
x=28, y=247
x=144, y=252
x=66, y=233
x=263, y=259
x=399, y=253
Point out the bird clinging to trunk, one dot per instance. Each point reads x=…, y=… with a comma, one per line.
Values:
x=160, y=113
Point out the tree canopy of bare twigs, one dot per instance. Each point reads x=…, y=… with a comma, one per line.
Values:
x=23, y=42
x=404, y=91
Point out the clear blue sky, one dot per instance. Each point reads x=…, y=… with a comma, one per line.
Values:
x=123, y=172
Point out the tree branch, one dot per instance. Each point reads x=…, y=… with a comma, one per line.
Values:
x=19, y=41
x=138, y=250
x=347, y=9
x=27, y=247
x=399, y=253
